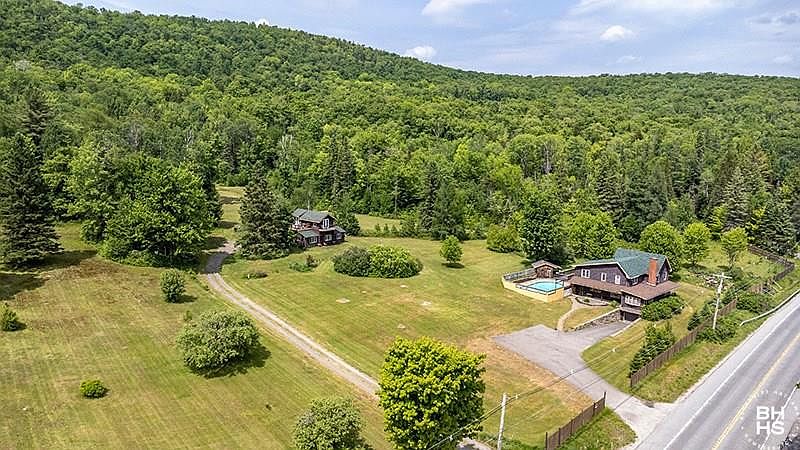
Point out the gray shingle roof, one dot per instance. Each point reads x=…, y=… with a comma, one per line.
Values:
x=310, y=215
x=339, y=229
x=633, y=262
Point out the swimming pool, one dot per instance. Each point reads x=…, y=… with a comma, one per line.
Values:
x=544, y=286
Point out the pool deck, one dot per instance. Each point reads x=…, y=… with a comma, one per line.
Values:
x=546, y=297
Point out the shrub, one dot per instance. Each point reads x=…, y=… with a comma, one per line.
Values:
x=451, y=250
x=663, y=309
x=355, y=261
x=656, y=340
x=255, y=274
x=726, y=328
x=329, y=423
x=392, y=262
x=311, y=261
x=299, y=267
x=701, y=315
x=753, y=302
x=502, y=239
x=216, y=339
x=173, y=285
x=409, y=227
x=93, y=389
x=9, y=320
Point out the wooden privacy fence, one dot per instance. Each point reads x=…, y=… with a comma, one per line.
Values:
x=526, y=274
x=788, y=267
x=555, y=440
x=675, y=348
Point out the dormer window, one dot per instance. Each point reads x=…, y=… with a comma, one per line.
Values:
x=586, y=273
x=326, y=223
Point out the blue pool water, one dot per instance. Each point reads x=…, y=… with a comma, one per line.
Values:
x=544, y=286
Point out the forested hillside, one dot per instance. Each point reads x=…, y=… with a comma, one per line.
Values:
x=118, y=102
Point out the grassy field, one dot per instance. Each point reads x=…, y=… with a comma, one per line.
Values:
x=367, y=223
x=669, y=382
x=582, y=315
x=86, y=317
x=359, y=318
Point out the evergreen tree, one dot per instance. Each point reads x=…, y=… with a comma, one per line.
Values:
x=27, y=233
x=38, y=114
x=448, y=214
x=346, y=217
x=777, y=233
x=735, y=199
x=266, y=223
x=608, y=184
x=431, y=189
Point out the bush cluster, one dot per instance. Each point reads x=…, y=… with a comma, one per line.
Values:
x=254, y=274
x=502, y=239
x=93, y=389
x=380, y=261
x=354, y=261
x=663, y=309
x=392, y=262
x=726, y=328
x=9, y=320
x=173, y=285
x=753, y=302
x=216, y=339
x=656, y=340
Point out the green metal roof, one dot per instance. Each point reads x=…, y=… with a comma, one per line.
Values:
x=633, y=262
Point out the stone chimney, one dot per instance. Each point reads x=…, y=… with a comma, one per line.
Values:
x=652, y=272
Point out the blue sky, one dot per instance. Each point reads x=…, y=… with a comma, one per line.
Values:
x=539, y=37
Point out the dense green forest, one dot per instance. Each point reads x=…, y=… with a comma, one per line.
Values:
x=132, y=114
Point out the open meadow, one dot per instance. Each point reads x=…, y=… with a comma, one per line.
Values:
x=86, y=318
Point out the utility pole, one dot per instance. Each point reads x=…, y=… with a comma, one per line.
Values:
x=721, y=277
x=502, y=422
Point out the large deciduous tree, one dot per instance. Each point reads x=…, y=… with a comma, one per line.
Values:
x=695, y=242
x=430, y=392
x=540, y=228
x=592, y=236
x=662, y=238
x=734, y=242
x=266, y=223
x=217, y=339
x=27, y=234
x=332, y=423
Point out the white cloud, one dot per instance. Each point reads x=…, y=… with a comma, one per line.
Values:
x=262, y=22
x=670, y=7
x=616, y=33
x=783, y=59
x=424, y=52
x=628, y=59
x=446, y=7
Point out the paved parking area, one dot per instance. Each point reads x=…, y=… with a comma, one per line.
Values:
x=560, y=353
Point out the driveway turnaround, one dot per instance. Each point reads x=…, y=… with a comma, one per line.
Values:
x=560, y=353
x=750, y=400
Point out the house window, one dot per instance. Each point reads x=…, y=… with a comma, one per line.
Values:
x=328, y=237
x=616, y=279
x=632, y=301
x=586, y=273
x=603, y=276
x=312, y=239
x=326, y=223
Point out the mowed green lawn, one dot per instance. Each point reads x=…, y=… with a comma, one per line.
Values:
x=90, y=318
x=358, y=318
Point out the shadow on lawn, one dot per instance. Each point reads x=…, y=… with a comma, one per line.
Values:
x=226, y=224
x=229, y=200
x=214, y=242
x=257, y=358
x=12, y=284
x=66, y=259
x=453, y=265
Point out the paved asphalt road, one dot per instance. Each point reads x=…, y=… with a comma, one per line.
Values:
x=737, y=405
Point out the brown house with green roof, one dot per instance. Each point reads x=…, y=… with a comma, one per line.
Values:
x=316, y=228
x=632, y=277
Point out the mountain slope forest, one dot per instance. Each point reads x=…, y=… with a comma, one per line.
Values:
x=126, y=110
